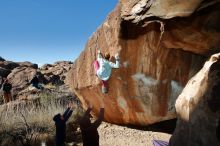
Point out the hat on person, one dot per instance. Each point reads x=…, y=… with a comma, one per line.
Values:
x=57, y=117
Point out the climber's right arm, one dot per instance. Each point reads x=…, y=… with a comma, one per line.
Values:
x=117, y=63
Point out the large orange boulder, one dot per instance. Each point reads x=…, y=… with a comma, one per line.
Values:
x=159, y=50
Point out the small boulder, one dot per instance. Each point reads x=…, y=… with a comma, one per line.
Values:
x=4, y=72
x=9, y=65
x=28, y=64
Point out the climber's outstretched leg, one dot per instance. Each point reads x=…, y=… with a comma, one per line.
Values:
x=104, y=86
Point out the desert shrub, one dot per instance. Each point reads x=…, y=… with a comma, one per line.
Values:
x=27, y=123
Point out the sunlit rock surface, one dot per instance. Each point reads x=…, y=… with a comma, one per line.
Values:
x=198, y=108
x=159, y=50
x=20, y=74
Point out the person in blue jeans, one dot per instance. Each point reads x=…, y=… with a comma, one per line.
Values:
x=60, y=122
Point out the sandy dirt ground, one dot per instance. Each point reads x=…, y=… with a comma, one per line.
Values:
x=113, y=135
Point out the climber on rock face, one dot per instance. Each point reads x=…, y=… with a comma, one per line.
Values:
x=103, y=68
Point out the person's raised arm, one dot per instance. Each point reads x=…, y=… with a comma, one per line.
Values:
x=86, y=114
x=66, y=113
x=99, y=54
x=88, y=111
x=69, y=111
x=100, y=117
x=117, y=63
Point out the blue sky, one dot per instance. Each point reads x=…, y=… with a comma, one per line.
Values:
x=45, y=31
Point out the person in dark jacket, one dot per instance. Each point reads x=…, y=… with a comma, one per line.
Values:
x=89, y=130
x=7, y=91
x=60, y=122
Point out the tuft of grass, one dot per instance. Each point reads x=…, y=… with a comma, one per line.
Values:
x=28, y=123
x=50, y=86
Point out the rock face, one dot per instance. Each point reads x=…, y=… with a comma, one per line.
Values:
x=20, y=78
x=198, y=108
x=158, y=57
x=28, y=64
x=6, y=67
x=56, y=73
x=138, y=10
x=4, y=72
x=20, y=74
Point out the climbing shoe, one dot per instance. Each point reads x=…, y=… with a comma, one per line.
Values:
x=104, y=90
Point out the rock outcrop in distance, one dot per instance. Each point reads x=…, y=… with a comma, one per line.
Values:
x=198, y=108
x=162, y=44
x=21, y=73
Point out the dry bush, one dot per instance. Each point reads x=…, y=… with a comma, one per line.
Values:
x=28, y=123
